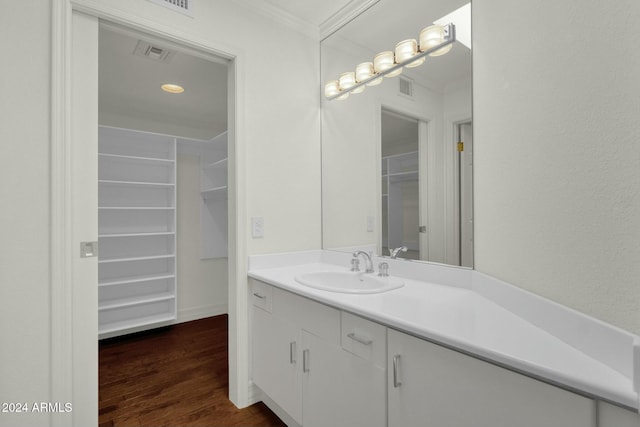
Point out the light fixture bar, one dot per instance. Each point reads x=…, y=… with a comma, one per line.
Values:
x=449, y=38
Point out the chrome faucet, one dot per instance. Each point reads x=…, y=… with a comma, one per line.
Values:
x=367, y=260
x=394, y=252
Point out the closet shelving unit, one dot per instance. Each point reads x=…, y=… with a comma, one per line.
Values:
x=214, y=182
x=137, y=230
x=396, y=170
x=214, y=195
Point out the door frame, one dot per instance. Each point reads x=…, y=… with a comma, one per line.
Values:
x=452, y=176
x=70, y=337
x=426, y=136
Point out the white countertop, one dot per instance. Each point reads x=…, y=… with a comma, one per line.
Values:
x=461, y=318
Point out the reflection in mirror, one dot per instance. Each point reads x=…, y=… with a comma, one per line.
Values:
x=393, y=175
x=401, y=208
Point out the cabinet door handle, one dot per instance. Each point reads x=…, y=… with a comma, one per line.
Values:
x=257, y=295
x=292, y=352
x=396, y=363
x=356, y=338
x=305, y=360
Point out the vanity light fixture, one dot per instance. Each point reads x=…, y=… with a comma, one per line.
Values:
x=364, y=71
x=172, y=88
x=385, y=61
x=431, y=37
x=407, y=49
x=434, y=40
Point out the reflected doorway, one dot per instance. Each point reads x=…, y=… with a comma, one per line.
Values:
x=402, y=140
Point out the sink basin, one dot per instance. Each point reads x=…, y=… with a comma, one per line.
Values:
x=349, y=282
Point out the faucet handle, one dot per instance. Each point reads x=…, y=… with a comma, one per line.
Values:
x=355, y=264
x=394, y=252
x=383, y=269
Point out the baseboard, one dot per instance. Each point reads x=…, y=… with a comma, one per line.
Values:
x=255, y=394
x=195, y=313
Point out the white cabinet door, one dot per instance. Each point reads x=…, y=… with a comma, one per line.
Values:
x=435, y=386
x=612, y=416
x=276, y=361
x=340, y=389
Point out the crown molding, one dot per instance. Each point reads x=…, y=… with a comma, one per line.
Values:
x=343, y=16
x=283, y=17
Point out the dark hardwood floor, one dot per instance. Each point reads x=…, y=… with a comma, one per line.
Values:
x=172, y=377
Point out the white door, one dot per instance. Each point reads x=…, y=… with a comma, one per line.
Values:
x=466, y=195
x=432, y=386
x=83, y=196
x=423, y=228
x=277, y=368
x=339, y=388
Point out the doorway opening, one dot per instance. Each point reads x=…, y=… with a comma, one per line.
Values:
x=162, y=183
x=403, y=138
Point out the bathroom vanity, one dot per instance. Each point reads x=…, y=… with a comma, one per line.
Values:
x=450, y=347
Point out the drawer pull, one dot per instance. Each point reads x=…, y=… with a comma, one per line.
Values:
x=356, y=338
x=257, y=295
x=292, y=352
x=305, y=360
x=396, y=363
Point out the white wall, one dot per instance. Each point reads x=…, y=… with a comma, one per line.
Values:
x=24, y=188
x=280, y=109
x=280, y=129
x=202, y=283
x=557, y=182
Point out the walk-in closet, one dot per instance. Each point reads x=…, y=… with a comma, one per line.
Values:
x=162, y=183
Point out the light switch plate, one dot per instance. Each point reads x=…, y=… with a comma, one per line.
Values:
x=257, y=227
x=88, y=249
x=370, y=223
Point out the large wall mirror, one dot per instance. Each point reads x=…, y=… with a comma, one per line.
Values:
x=397, y=159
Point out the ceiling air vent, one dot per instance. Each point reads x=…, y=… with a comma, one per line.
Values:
x=153, y=52
x=182, y=6
x=406, y=87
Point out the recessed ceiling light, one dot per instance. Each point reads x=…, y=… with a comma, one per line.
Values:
x=171, y=88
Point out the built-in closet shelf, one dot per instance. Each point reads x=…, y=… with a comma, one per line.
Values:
x=139, y=258
x=402, y=176
x=135, y=279
x=137, y=230
x=108, y=328
x=400, y=163
x=137, y=183
x=163, y=233
x=411, y=156
x=222, y=163
x=213, y=193
x=137, y=208
x=138, y=300
x=135, y=159
x=214, y=181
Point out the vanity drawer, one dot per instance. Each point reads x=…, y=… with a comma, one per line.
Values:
x=364, y=338
x=262, y=295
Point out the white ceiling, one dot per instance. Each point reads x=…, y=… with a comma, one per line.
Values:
x=383, y=25
x=315, y=12
x=129, y=87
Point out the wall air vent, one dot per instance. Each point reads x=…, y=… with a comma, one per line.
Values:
x=406, y=86
x=182, y=6
x=153, y=52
